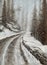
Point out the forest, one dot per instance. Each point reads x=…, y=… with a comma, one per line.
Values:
x=23, y=32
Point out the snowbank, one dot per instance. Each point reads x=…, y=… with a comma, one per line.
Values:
x=32, y=42
x=6, y=33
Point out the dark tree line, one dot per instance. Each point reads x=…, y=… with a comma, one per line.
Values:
x=39, y=28
x=8, y=15
x=4, y=14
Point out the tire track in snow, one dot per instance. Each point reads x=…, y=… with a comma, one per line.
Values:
x=10, y=52
x=6, y=47
x=22, y=54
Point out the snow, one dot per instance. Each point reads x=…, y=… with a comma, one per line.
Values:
x=31, y=59
x=32, y=42
x=6, y=33
x=29, y=40
x=1, y=27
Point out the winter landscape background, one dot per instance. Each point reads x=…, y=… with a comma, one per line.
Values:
x=23, y=32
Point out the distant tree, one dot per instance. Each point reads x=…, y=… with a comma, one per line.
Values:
x=39, y=19
x=12, y=10
x=8, y=9
x=26, y=20
x=42, y=19
x=22, y=19
x=4, y=14
x=34, y=22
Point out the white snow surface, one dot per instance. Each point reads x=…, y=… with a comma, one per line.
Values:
x=29, y=40
x=6, y=33
x=32, y=42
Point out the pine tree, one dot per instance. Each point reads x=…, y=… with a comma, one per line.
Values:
x=34, y=21
x=4, y=14
x=42, y=19
x=12, y=10
x=46, y=23
x=22, y=19
x=25, y=23
x=8, y=9
x=39, y=19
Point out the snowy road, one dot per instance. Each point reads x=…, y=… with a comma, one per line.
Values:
x=14, y=52
x=5, y=44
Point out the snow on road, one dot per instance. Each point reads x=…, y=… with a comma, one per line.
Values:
x=5, y=48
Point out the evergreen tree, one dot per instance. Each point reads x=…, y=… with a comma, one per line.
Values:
x=34, y=22
x=25, y=23
x=4, y=14
x=8, y=9
x=42, y=19
x=46, y=23
x=12, y=10
x=22, y=19
x=39, y=19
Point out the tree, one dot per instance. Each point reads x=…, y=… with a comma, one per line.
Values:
x=46, y=23
x=22, y=22
x=8, y=9
x=12, y=10
x=42, y=28
x=34, y=22
x=39, y=19
x=26, y=20
x=4, y=14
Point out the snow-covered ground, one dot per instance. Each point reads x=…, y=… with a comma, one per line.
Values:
x=7, y=33
x=31, y=41
x=15, y=52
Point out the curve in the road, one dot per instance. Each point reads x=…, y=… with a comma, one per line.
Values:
x=6, y=47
